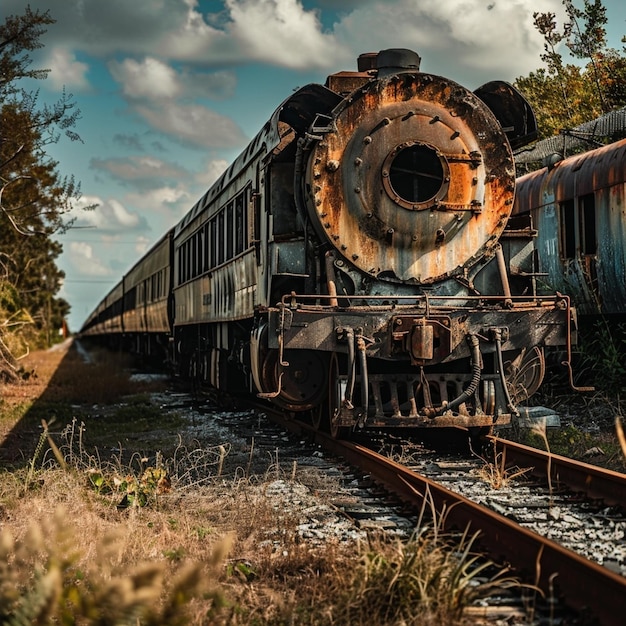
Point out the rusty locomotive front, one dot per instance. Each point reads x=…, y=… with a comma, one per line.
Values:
x=357, y=264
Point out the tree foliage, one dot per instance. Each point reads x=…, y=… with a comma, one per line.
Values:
x=565, y=95
x=34, y=198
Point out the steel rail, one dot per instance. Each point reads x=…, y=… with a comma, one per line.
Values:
x=595, y=482
x=581, y=584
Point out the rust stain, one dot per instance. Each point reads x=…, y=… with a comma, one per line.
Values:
x=419, y=192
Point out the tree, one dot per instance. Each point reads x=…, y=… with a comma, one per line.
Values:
x=34, y=198
x=566, y=95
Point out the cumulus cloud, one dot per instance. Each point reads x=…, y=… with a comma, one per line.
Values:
x=81, y=256
x=163, y=200
x=214, y=169
x=469, y=34
x=153, y=79
x=282, y=32
x=147, y=79
x=192, y=124
x=65, y=70
x=140, y=170
x=155, y=91
x=469, y=40
x=110, y=216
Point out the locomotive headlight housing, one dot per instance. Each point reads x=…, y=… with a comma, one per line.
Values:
x=415, y=175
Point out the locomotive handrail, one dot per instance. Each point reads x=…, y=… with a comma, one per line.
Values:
x=293, y=300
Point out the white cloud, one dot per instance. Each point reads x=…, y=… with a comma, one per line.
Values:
x=281, y=32
x=212, y=172
x=140, y=169
x=464, y=34
x=147, y=79
x=161, y=200
x=471, y=41
x=65, y=70
x=110, y=216
x=142, y=245
x=81, y=256
x=193, y=124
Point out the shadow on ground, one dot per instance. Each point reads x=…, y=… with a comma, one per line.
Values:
x=66, y=387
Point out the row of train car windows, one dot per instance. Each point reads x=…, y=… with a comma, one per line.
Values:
x=152, y=289
x=220, y=239
x=577, y=219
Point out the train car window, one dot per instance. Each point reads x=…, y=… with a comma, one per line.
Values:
x=220, y=244
x=213, y=242
x=206, y=261
x=239, y=224
x=130, y=301
x=587, y=224
x=200, y=251
x=188, y=259
x=194, y=257
x=247, y=210
x=230, y=230
x=568, y=229
x=256, y=218
x=182, y=264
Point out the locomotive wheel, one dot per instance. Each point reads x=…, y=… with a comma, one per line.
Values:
x=322, y=416
x=303, y=382
x=319, y=417
x=524, y=373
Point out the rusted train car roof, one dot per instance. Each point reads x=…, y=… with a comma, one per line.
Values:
x=577, y=175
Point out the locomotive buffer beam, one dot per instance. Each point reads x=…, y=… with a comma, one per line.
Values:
x=393, y=360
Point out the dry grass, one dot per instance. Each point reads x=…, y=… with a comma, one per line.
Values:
x=176, y=540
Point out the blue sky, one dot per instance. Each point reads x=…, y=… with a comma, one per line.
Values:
x=170, y=91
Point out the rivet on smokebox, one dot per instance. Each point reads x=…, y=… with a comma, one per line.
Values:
x=332, y=165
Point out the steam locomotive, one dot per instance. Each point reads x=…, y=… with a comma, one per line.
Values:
x=356, y=264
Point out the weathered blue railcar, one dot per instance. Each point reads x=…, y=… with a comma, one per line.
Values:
x=578, y=207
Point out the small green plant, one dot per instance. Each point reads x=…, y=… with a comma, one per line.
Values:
x=135, y=491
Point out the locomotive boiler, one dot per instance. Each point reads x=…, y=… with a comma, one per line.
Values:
x=356, y=264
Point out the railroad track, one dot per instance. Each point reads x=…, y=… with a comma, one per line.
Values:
x=580, y=583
